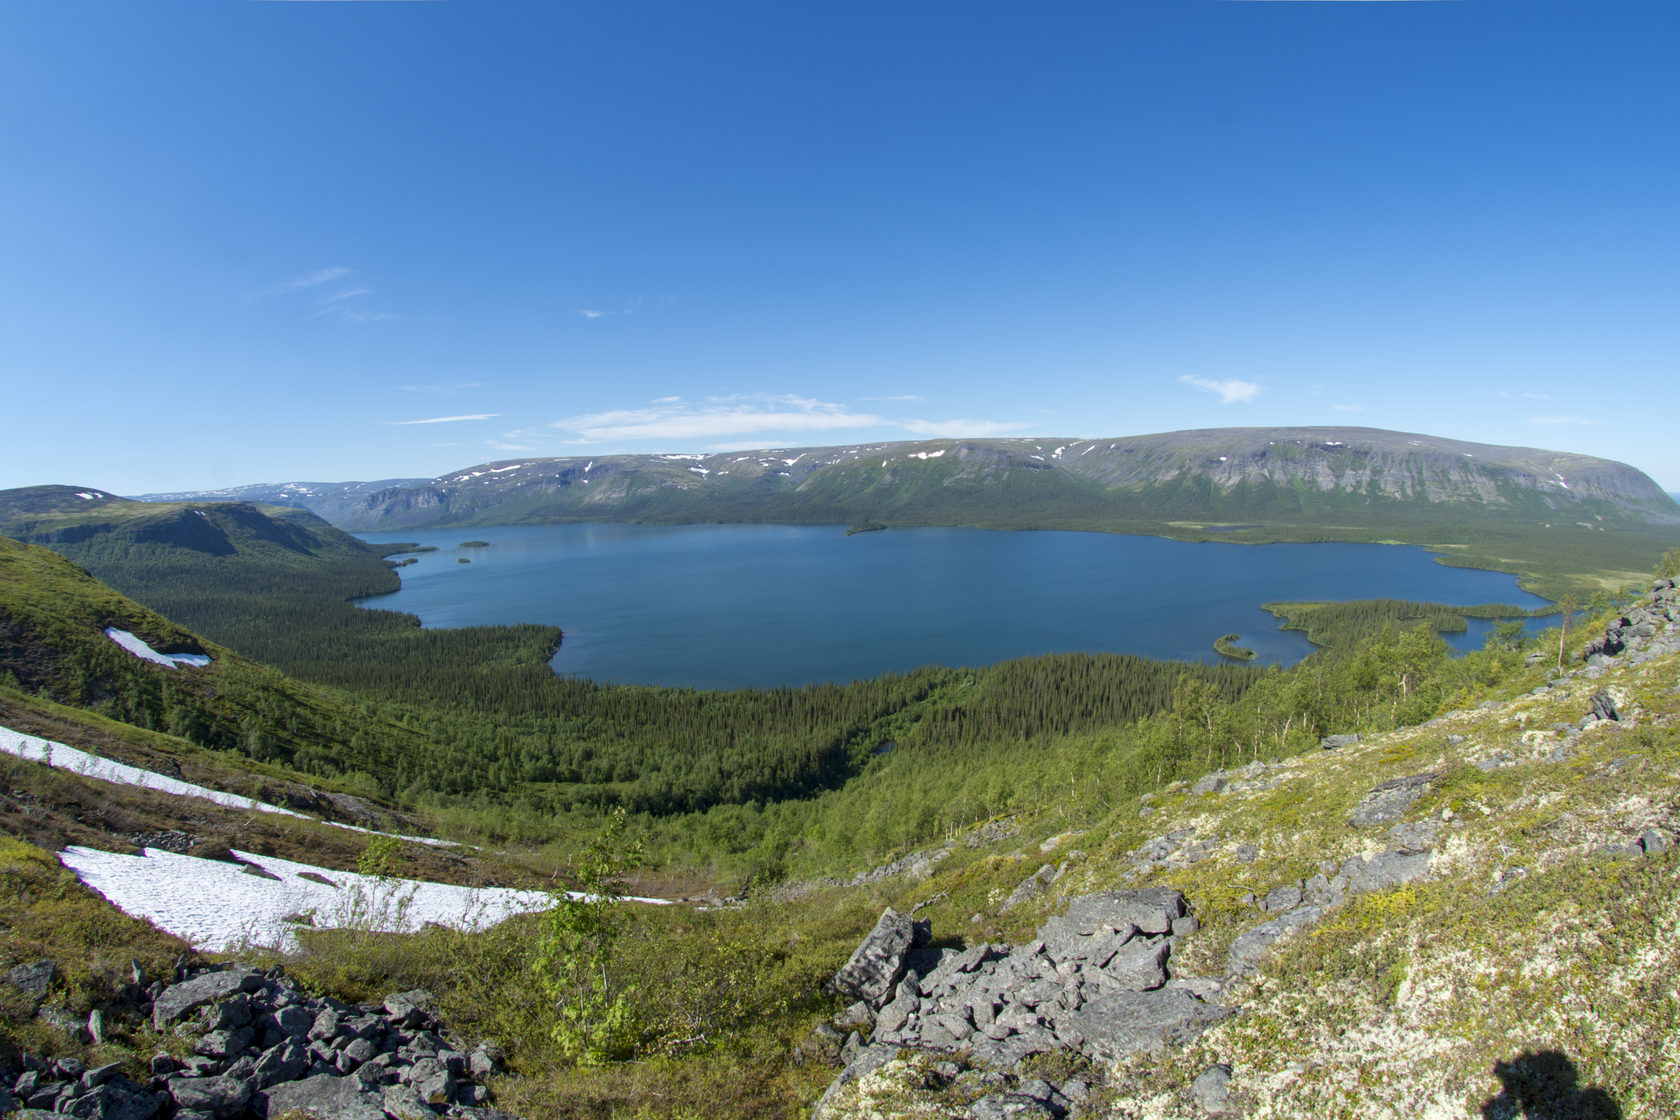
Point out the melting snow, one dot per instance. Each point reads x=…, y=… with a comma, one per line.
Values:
x=93, y=766
x=33, y=749
x=587, y=465
x=927, y=454
x=219, y=906
x=86, y=494
x=699, y=470
x=139, y=648
x=502, y=470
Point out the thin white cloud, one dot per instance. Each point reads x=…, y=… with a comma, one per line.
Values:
x=905, y=397
x=348, y=293
x=1348, y=407
x=1559, y=419
x=718, y=418
x=730, y=422
x=311, y=280
x=1230, y=392
x=1537, y=396
x=351, y=318
x=594, y=313
x=445, y=419
x=499, y=445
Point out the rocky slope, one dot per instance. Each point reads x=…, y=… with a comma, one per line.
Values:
x=1473, y=917
x=1241, y=474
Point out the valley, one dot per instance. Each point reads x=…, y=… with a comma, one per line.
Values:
x=349, y=755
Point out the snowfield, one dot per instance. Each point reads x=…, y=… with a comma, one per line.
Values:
x=34, y=749
x=220, y=906
x=139, y=648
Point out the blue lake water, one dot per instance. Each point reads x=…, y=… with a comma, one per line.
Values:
x=728, y=606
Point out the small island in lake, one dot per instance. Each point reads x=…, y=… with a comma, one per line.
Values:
x=463, y=560
x=865, y=527
x=475, y=544
x=1228, y=647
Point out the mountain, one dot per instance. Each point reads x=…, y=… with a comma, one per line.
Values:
x=326, y=499
x=1347, y=477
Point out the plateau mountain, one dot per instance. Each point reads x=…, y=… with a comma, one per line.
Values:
x=1216, y=480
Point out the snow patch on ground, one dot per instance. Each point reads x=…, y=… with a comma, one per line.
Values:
x=926, y=454
x=218, y=906
x=86, y=494
x=33, y=749
x=139, y=648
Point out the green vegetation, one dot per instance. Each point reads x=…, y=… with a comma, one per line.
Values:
x=1227, y=646
x=759, y=786
x=475, y=544
x=1669, y=566
x=866, y=527
x=1340, y=625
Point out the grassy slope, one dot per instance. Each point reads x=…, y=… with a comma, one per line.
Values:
x=1397, y=1006
x=1525, y=938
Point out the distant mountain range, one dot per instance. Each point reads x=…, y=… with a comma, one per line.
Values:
x=1356, y=478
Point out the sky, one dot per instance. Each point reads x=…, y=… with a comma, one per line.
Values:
x=330, y=241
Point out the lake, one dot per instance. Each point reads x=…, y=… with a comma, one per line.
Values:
x=730, y=606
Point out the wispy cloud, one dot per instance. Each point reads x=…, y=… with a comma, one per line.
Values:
x=729, y=422
x=1230, y=392
x=502, y=445
x=1348, y=407
x=1562, y=419
x=716, y=418
x=595, y=313
x=904, y=397
x=310, y=280
x=442, y=390
x=445, y=419
x=331, y=305
x=352, y=316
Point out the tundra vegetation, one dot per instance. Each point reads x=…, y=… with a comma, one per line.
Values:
x=778, y=798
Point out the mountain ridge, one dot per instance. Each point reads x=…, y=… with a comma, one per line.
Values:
x=1285, y=475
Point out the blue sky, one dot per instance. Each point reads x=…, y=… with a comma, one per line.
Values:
x=262, y=242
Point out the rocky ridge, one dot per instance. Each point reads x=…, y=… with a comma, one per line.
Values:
x=259, y=1047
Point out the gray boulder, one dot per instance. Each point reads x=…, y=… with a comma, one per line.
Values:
x=217, y=1096
x=1384, y=870
x=179, y=1000
x=1254, y=944
x=1127, y=1022
x=1388, y=802
x=1151, y=910
x=1212, y=1089
x=325, y=1097
x=877, y=964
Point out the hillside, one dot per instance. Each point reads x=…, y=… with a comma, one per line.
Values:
x=1461, y=905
